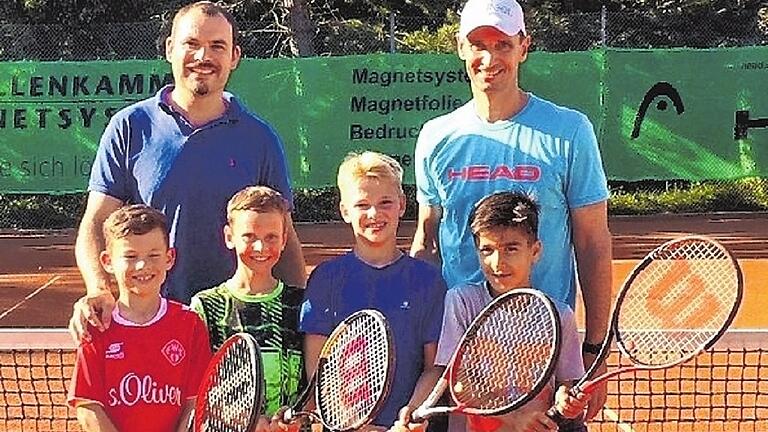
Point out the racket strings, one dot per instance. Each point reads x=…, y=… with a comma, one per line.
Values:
x=232, y=390
x=354, y=376
x=679, y=302
x=506, y=357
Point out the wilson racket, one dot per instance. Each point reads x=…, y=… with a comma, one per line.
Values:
x=353, y=376
x=676, y=303
x=503, y=360
x=231, y=395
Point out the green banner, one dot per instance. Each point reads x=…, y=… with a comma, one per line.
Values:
x=324, y=108
x=52, y=115
x=679, y=114
x=671, y=114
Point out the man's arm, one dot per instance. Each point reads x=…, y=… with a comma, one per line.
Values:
x=90, y=241
x=592, y=243
x=93, y=418
x=425, y=244
x=97, y=304
x=292, y=269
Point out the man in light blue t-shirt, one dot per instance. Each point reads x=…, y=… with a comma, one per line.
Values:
x=508, y=139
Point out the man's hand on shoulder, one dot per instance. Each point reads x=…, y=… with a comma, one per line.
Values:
x=95, y=309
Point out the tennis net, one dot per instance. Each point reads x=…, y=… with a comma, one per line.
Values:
x=722, y=390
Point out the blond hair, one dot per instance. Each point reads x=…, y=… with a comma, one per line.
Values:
x=260, y=199
x=369, y=165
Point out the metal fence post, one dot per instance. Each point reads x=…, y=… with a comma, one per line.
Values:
x=392, y=44
x=603, y=35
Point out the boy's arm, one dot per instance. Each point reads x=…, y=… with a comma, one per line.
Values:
x=315, y=317
x=428, y=378
x=425, y=243
x=185, y=418
x=313, y=344
x=93, y=418
x=438, y=321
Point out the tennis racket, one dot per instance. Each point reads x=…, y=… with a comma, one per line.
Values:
x=353, y=376
x=503, y=360
x=676, y=303
x=231, y=395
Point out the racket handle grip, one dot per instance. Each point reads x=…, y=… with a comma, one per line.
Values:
x=555, y=416
x=290, y=415
x=418, y=415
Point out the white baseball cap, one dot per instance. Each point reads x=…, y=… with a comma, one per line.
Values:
x=505, y=15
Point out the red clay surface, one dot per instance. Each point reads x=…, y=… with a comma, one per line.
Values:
x=31, y=260
x=692, y=398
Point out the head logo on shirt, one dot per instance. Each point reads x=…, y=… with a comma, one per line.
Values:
x=522, y=173
x=174, y=352
x=115, y=351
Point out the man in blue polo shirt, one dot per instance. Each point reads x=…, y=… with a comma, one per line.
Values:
x=185, y=152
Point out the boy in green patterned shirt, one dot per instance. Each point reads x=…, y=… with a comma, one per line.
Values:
x=253, y=300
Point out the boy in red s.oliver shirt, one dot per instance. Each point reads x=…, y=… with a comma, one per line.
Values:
x=142, y=373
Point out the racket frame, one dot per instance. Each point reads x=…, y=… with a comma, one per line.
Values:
x=257, y=372
x=428, y=409
x=313, y=387
x=587, y=383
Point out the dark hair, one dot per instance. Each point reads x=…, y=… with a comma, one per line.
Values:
x=136, y=219
x=505, y=210
x=210, y=9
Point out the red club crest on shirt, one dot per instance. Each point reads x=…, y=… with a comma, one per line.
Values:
x=174, y=352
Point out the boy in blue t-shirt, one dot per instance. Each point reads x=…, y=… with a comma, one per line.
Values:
x=377, y=275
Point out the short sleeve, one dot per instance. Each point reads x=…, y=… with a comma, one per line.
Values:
x=426, y=191
x=316, y=316
x=454, y=325
x=587, y=183
x=570, y=366
x=109, y=171
x=87, y=383
x=201, y=356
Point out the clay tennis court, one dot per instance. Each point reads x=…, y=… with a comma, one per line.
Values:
x=39, y=280
x=724, y=390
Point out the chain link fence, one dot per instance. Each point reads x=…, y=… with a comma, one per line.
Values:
x=393, y=33
x=267, y=39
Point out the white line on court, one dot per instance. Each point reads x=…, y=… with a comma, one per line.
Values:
x=614, y=417
x=29, y=296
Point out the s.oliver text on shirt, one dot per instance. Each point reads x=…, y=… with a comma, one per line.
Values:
x=134, y=389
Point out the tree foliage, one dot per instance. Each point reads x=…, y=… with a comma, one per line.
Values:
x=319, y=27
